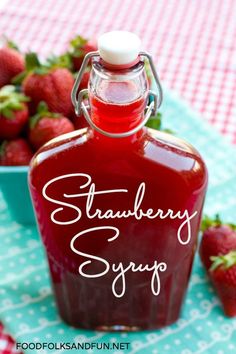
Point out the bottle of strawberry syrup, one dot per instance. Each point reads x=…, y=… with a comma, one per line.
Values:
x=118, y=205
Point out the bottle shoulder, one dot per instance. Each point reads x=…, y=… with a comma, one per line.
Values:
x=60, y=145
x=157, y=140
x=169, y=142
x=159, y=152
x=175, y=154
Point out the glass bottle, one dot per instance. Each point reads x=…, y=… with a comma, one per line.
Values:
x=118, y=205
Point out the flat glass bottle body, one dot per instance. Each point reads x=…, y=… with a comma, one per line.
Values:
x=175, y=178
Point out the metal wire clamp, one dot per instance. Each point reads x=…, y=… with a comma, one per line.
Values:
x=79, y=105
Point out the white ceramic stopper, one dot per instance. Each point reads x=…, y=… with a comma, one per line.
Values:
x=119, y=47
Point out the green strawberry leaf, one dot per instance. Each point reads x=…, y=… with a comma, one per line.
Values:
x=208, y=222
x=2, y=148
x=16, y=106
x=8, y=43
x=214, y=222
x=61, y=61
x=78, y=42
x=225, y=261
x=43, y=70
x=32, y=61
x=78, y=53
x=42, y=107
x=18, y=79
x=42, y=111
x=34, y=120
x=6, y=112
x=233, y=226
x=154, y=122
x=76, y=46
x=33, y=64
x=22, y=97
x=12, y=45
x=11, y=100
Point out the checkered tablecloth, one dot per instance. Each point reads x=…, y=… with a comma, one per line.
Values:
x=193, y=44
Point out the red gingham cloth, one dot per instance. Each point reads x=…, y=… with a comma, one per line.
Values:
x=193, y=44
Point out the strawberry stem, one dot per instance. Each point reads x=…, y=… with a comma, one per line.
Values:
x=208, y=222
x=214, y=222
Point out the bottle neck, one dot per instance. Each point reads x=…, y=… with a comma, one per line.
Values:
x=114, y=117
x=118, y=100
x=120, y=141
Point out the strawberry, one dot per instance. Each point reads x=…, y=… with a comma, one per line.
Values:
x=46, y=125
x=79, y=47
x=11, y=63
x=84, y=81
x=15, y=153
x=49, y=83
x=217, y=239
x=13, y=112
x=223, y=276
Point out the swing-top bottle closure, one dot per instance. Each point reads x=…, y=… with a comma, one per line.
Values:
x=117, y=50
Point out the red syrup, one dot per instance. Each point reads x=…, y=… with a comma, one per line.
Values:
x=138, y=191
